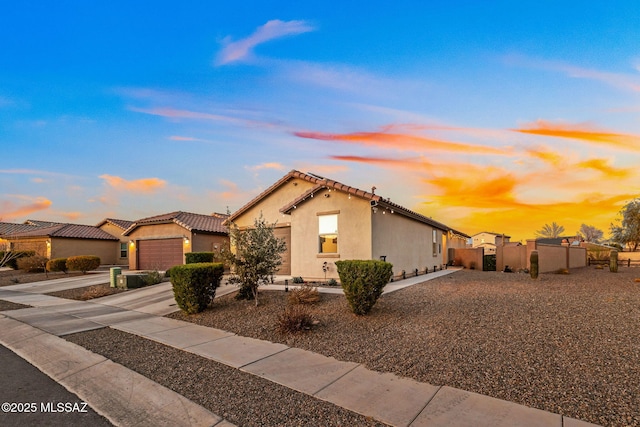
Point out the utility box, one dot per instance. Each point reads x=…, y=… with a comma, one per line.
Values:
x=114, y=272
x=131, y=281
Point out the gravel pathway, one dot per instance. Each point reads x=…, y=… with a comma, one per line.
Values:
x=567, y=344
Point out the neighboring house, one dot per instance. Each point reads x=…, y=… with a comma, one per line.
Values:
x=10, y=228
x=570, y=240
x=160, y=242
x=489, y=241
x=116, y=227
x=65, y=240
x=323, y=221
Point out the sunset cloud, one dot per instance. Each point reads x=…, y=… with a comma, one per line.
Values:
x=234, y=51
x=269, y=165
x=144, y=185
x=401, y=141
x=24, y=206
x=581, y=132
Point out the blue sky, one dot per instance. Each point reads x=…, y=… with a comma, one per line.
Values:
x=496, y=115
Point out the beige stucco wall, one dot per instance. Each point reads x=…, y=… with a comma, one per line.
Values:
x=406, y=243
x=117, y=232
x=467, y=256
x=38, y=245
x=551, y=257
x=271, y=204
x=354, y=233
x=105, y=249
x=577, y=257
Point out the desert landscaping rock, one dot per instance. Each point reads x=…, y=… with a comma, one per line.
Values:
x=567, y=344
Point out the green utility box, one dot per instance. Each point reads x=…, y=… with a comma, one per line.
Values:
x=114, y=272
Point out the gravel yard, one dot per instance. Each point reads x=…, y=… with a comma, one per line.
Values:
x=568, y=344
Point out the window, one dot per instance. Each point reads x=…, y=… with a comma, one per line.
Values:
x=123, y=250
x=328, y=232
x=434, y=240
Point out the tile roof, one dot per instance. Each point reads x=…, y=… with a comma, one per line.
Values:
x=39, y=223
x=70, y=231
x=322, y=183
x=213, y=223
x=120, y=223
x=10, y=228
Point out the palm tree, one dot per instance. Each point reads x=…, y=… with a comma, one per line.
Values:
x=550, y=231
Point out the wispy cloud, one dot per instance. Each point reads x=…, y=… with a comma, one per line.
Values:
x=22, y=206
x=582, y=132
x=268, y=165
x=144, y=185
x=239, y=50
x=176, y=114
x=627, y=82
x=402, y=142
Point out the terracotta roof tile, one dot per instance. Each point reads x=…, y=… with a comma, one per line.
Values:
x=120, y=223
x=191, y=221
x=71, y=231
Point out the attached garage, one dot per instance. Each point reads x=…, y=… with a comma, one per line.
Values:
x=161, y=241
x=160, y=254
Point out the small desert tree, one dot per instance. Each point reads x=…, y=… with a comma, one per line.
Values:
x=628, y=232
x=589, y=233
x=552, y=230
x=255, y=258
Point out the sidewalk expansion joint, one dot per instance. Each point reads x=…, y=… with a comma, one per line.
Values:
x=337, y=379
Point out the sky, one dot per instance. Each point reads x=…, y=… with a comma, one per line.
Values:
x=494, y=116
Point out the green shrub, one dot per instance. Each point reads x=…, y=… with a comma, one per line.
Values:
x=332, y=282
x=83, y=263
x=297, y=279
x=32, y=264
x=197, y=257
x=57, y=264
x=363, y=282
x=295, y=318
x=152, y=277
x=194, y=285
x=12, y=257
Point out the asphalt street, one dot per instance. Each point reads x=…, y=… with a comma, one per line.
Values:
x=29, y=397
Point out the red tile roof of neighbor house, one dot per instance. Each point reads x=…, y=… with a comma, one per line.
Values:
x=325, y=183
x=120, y=223
x=70, y=231
x=191, y=221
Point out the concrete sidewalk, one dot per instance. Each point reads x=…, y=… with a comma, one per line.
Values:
x=33, y=334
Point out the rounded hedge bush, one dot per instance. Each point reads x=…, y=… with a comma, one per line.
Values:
x=83, y=263
x=194, y=285
x=363, y=282
x=57, y=264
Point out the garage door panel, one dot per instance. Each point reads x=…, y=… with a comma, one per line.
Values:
x=160, y=254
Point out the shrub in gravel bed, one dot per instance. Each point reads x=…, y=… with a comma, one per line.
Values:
x=57, y=264
x=32, y=264
x=198, y=257
x=305, y=294
x=363, y=282
x=295, y=318
x=83, y=263
x=194, y=285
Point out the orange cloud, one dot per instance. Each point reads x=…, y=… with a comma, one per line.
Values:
x=144, y=185
x=545, y=155
x=582, y=133
x=11, y=210
x=603, y=166
x=401, y=141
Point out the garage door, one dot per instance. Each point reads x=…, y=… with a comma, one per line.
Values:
x=160, y=254
x=284, y=233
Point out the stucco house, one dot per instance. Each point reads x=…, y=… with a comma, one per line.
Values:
x=160, y=242
x=116, y=227
x=323, y=221
x=65, y=240
x=489, y=240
